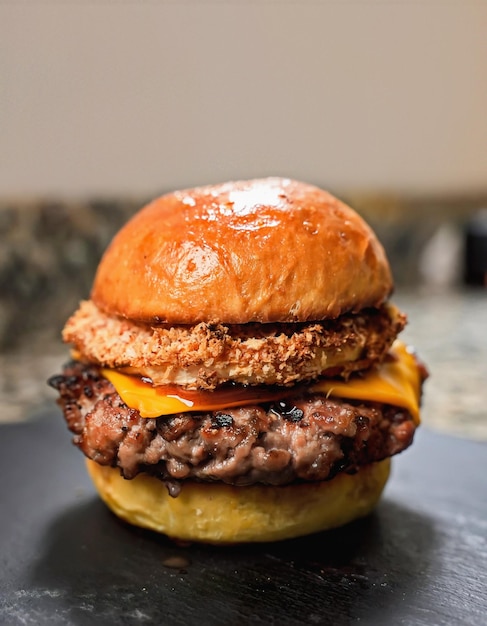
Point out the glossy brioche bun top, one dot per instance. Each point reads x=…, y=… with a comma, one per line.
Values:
x=267, y=250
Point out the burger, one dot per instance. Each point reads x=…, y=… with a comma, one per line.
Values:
x=236, y=374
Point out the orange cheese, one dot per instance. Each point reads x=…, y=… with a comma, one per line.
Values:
x=153, y=401
x=396, y=381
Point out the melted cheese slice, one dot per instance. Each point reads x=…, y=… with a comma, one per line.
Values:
x=396, y=381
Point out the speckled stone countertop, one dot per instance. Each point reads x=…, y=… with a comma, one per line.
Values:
x=448, y=329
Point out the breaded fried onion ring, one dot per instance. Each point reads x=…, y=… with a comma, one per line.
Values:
x=204, y=355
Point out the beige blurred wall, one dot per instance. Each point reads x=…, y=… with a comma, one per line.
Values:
x=125, y=97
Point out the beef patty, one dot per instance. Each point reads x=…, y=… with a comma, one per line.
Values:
x=308, y=437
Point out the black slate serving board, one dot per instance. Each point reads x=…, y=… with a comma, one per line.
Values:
x=421, y=558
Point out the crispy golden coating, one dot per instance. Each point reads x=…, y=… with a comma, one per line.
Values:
x=205, y=355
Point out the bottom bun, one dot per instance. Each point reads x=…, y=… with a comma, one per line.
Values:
x=220, y=513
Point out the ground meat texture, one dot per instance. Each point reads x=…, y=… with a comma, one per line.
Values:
x=306, y=438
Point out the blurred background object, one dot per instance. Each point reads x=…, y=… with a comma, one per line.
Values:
x=106, y=105
x=476, y=249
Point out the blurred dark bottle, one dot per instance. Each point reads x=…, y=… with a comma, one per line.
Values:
x=476, y=249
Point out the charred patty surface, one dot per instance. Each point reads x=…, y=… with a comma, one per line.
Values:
x=309, y=437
